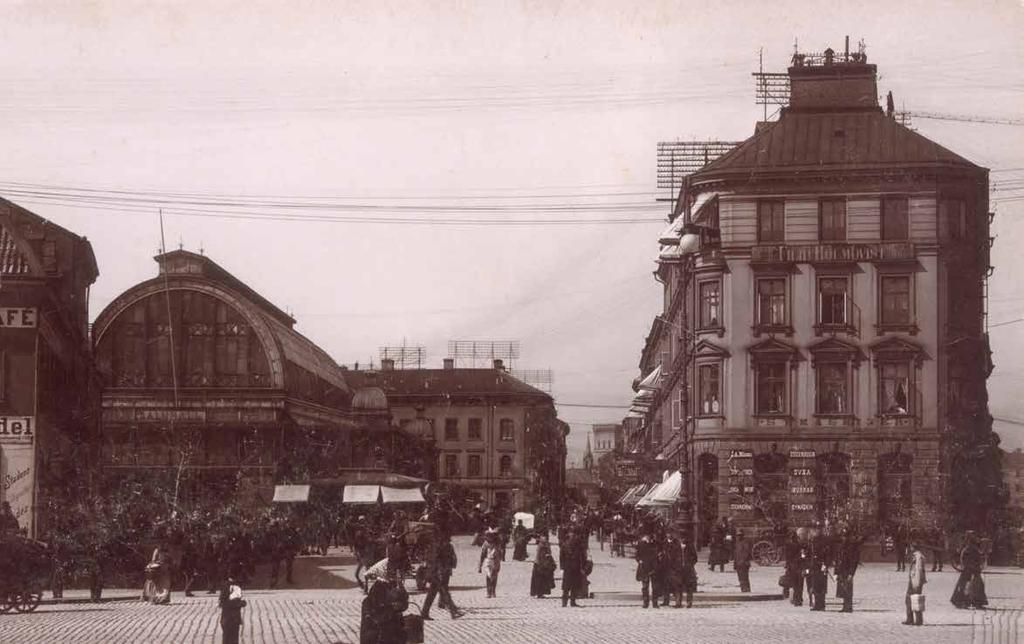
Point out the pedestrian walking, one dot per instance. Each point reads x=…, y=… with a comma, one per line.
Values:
x=490, y=560
x=741, y=560
x=573, y=559
x=520, y=537
x=717, y=554
x=899, y=540
x=847, y=559
x=157, y=588
x=441, y=567
x=646, y=569
x=938, y=550
x=231, y=605
x=817, y=571
x=542, y=579
x=916, y=580
x=969, y=591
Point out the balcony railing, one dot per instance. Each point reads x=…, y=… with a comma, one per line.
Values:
x=832, y=252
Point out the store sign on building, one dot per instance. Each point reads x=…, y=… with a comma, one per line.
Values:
x=17, y=468
x=802, y=453
x=18, y=318
x=17, y=430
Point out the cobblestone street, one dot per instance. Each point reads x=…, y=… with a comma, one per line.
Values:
x=720, y=613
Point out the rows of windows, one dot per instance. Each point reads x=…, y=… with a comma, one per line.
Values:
x=474, y=429
x=833, y=387
x=474, y=465
x=894, y=220
x=835, y=308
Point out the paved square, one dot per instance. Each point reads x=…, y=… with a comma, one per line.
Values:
x=720, y=614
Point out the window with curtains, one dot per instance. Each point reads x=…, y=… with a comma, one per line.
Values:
x=771, y=393
x=476, y=429
x=771, y=301
x=832, y=391
x=710, y=304
x=771, y=221
x=709, y=379
x=895, y=219
x=895, y=305
x=832, y=220
x=895, y=388
x=833, y=300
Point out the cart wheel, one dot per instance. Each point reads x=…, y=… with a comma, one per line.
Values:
x=27, y=601
x=765, y=553
x=6, y=602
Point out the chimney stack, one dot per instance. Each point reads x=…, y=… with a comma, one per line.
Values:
x=449, y=364
x=499, y=364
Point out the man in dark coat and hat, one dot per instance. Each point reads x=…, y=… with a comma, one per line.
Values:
x=741, y=560
x=647, y=569
x=574, y=558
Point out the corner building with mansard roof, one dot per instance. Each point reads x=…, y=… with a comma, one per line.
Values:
x=823, y=351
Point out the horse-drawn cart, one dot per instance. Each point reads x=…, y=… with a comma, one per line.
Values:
x=24, y=573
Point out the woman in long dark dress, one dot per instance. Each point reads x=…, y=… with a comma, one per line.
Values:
x=520, y=537
x=542, y=581
x=970, y=587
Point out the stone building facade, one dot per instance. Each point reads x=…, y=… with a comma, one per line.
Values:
x=822, y=352
x=47, y=411
x=492, y=433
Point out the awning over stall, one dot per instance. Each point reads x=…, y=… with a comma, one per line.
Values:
x=291, y=493
x=400, y=495
x=361, y=494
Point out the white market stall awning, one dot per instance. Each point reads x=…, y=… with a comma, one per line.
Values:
x=525, y=517
x=361, y=494
x=291, y=493
x=401, y=495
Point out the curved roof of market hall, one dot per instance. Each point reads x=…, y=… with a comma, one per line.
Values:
x=296, y=364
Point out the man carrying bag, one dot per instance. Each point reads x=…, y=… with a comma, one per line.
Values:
x=915, y=587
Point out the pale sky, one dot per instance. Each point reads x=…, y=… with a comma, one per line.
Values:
x=441, y=111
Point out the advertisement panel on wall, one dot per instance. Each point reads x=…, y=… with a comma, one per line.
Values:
x=17, y=466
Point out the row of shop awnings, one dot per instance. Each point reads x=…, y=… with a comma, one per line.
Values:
x=661, y=494
x=665, y=493
x=635, y=493
x=352, y=494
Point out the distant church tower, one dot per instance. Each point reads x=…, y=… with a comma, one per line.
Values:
x=588, y=457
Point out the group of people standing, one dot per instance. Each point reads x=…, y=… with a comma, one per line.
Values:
x=666, y=566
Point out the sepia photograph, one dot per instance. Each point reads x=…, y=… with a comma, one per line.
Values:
x=511, y=321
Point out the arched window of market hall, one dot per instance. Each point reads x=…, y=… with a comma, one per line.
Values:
x=771, y=481
x=894, y=487
x=833, y=485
